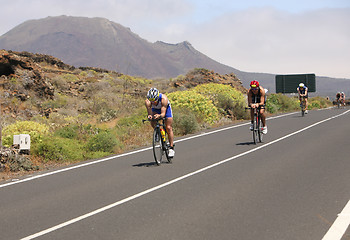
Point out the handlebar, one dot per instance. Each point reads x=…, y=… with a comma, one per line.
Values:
x=255, y=108
x=152, y=120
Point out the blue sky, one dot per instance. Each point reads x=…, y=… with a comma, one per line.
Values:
x=272, y=36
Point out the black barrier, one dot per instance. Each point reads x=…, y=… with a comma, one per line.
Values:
x=290, y=83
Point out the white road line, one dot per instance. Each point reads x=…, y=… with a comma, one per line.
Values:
x=123, y=155
x=340, y=225
x=97, y=211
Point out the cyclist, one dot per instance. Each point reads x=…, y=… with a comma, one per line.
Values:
x=337, y=98
x=257, y=99
x=158, y=106
x=303, y=92
x=342, y=98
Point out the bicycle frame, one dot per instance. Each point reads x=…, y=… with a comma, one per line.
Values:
x=160, y=143
x=302, y=105
x=257, y=125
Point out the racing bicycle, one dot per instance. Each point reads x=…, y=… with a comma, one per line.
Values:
x=302, y=105
x=257, y=125
x=160, y=141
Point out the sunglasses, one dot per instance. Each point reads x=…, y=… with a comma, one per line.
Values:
x=255, y=88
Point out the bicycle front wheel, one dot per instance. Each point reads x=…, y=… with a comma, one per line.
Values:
x=157, y=146
x=260, y=127
x=255, y=130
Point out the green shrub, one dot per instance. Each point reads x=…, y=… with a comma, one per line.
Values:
x=60, y=101
x=134, y=120
x=59, y=149
x=69, y=131
x=70, y=77
x=34, y=129
x=319, y=102
x=227, y=99
x=104, y=141
x=281, y=103
x=200, y=105
x=184, y=122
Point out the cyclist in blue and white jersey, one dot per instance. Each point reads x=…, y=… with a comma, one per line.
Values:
x=303, y=92
x=158, y=106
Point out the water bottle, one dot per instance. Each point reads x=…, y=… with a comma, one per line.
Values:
x=163, y=133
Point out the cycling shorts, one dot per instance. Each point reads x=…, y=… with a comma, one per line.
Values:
x=168, y=113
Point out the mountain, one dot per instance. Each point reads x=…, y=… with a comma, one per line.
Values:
x=98, y=42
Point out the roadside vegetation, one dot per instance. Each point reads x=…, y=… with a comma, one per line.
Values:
x=107, y=116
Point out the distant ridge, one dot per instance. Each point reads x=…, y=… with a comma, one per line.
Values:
x=98, y=42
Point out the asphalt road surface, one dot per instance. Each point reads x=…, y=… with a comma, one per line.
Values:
x=294, y=185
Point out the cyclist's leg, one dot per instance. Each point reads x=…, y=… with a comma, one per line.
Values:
x=263, y=117
x=251, y=118
x=169, y=125
x=251, y=114
x=169, y=130
x=306, y=102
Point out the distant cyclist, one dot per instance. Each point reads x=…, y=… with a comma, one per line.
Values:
x=158, y=106
x=256, y=99
x=337, y=98
x=342, y=98
x=303, y=92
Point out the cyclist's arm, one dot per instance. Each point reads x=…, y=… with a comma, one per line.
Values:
x=250, y=100
x=149, y=108
x=164, y=106
x=262, y=97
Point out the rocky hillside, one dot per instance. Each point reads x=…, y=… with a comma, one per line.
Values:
x=31, y=84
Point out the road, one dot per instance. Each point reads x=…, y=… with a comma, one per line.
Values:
x=219, y=186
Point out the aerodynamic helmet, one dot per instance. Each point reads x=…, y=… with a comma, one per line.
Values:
x=254, y=84
x=153, y=94
x=301, y=85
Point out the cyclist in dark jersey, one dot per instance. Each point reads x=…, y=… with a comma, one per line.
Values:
x=158, y=106
x=303, y=91
x=256, y=99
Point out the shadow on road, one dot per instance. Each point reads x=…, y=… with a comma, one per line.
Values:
x=245, y=143
x=150, y=164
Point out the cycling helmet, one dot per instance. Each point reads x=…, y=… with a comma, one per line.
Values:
x=301, y=85
x=254, y=84
x=153, y=94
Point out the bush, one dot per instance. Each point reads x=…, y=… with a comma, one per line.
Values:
x=281, y=103
x=200, y=105
x=319, y=102
x=104, y=141
x=227, y=99
x=34, y=129
x=70, y=131
x=184, y=122
x=59, y=149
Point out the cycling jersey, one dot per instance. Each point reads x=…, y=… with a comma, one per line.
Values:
x=303, y=90
x=157, y=108
x=256, y=97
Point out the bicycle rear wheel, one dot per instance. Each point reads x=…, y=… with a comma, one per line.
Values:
x=255, y=130
x=167, y=145
x=302, y=106
x=260, y=127
x=157, y=146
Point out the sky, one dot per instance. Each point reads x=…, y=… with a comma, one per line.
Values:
x=267, y=36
